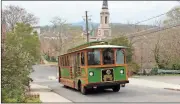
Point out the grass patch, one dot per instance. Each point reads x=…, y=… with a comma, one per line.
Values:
x=32, y=99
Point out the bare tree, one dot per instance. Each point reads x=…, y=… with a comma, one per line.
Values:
x=14, y=14
x=170, y=44
x=157, y=52
x=166, y=52
x=173, y=16
x=60, y=27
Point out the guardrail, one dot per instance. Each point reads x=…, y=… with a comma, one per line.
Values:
x=159, y=71
x=168, y=71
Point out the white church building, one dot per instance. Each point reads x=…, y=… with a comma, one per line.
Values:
x=104, y=29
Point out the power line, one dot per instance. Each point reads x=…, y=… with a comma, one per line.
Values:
x=143, y=31
x=145, y=21
x=158, y=28
x=150, y=29
x=150, y=18
x=156, y=31
x=154, y=17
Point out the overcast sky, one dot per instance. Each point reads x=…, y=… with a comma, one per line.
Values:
x=72, y=11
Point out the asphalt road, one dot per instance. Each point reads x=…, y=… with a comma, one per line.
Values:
x=130, y=93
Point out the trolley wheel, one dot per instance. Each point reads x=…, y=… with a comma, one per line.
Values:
x=116, y=88
x=65, y=86
x=83, y=90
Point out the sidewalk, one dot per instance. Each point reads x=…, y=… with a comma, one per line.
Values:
x=153, y=84
x=46, y=94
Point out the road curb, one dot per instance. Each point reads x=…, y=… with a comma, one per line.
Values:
x=172, y=89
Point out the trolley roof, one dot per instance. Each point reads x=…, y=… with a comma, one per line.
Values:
x=105, y=46
x=82, y=46
x=93, y=45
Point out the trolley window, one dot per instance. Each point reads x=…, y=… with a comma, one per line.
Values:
x=108, y=56
x=119, y=56
x=94, y=57
x=82, y=59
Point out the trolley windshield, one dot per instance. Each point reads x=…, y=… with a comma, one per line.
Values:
x=108, y=56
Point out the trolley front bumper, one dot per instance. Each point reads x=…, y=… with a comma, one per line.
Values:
x=106, y=84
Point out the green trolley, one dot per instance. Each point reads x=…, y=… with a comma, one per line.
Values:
x=94, y=65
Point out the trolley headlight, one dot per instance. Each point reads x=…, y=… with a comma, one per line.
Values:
x=91, y=73
x=121, y=71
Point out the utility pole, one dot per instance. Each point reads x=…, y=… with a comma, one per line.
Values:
x=86, y=19
x=87, y=26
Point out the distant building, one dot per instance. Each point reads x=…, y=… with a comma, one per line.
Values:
x=104, y=29
x=38, y=29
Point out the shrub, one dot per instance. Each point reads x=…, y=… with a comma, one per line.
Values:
x=22, y=50
x=176, y=66
x=53, y=59
x=154, y=71
x=134, y=67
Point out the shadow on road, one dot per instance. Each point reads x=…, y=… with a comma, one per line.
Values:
x=99, y=91
x=91, y=91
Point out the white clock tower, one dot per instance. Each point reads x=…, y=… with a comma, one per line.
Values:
x=104, y=29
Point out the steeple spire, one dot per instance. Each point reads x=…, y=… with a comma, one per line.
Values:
x=105, y=4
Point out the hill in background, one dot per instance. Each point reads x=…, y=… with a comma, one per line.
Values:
x=117, y=28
